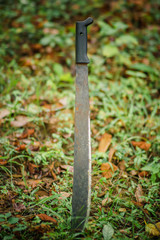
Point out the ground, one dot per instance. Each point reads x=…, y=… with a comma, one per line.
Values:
x=37, y=94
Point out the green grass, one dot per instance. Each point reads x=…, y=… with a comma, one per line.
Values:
x=124, y=86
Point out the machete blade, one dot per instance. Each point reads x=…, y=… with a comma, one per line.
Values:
x=82, y=151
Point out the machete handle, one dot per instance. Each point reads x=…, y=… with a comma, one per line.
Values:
x=81, y=40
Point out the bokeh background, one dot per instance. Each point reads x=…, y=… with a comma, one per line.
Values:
x=37, y=94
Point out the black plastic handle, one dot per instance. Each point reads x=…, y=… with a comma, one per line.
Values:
x=81, y=40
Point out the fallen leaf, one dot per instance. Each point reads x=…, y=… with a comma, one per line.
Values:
x=4, y=112
x=108, y=231
x=21, y=147
x=106, y=201
x=51, y=167
x=153, y=229
x=139, y=194
x=121, y=165
x=143, y=145
x=20, y=121
x=30, y=183
x=122, y=210
x=105, y=142
x=17, y=175
x=27, y=133
x=35, y=146
x=28, y=62
x=138, y=204
x=53, y=31
x=144, y=174
x=64, y=195
x=53, y=175
x=32, y=167
x=124, y=174
x=48, y=182
x=36, y=46
x=58, y=170
x=46, y=106
x=46, y=218
x=67, y=167
x=18, y=207
x=63, y=101
x=3, y=161
x=123, y=231
x=111, y=153
x=133, y=172
x=41, y=193
x=107, y=170
x=42, y=228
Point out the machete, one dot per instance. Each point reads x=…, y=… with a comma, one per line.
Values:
x=82, y=145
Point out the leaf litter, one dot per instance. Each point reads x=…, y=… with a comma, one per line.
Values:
x=20, y=121
x=50, y=101
x=108, y=169
x=139, y=194
x=105, y=141
x=143, y=145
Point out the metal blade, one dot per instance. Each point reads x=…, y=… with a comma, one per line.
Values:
x=82, y=151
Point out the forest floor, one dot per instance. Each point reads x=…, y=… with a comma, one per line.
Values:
x=37, y=97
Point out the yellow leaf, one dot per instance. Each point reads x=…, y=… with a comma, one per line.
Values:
x=153, y=229
x=105, y=142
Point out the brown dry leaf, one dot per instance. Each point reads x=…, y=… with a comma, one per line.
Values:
x=42, y=228
x=30, y=183
x=27, y=62
x=143, y=145
x=139, y=194
x=32, y=167
x=21, y=147
x=111, y=153
x=46, y=106
x=53, y=31
x=144, y=174
x=58, y=170
x=27, y=133
x=20, y=121
x=107, y=170
x=18, y=207
x=133, y=172
x=75, y=6
x=17, y=175
x=106, y=201
x=3, y=161
x=153, y=229
x=46, y=218
x=138, y=204
x=4, y=112
x=64, y=195
x=36, y=46
x=121, y=165
x=123, y=231
x=105, y=142
x=122, y=210
x=35, y=146
x=51, y=167
x=41, y=193
x=53, y=175
x=67, y=167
